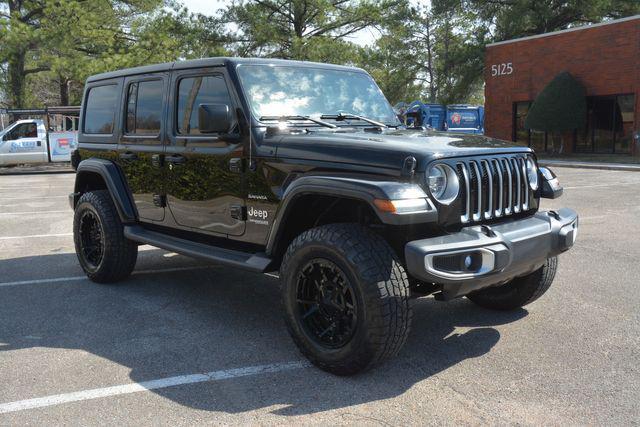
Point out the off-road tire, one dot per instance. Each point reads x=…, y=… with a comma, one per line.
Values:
x=519, y=291
x=380, y=286
x=119, y=253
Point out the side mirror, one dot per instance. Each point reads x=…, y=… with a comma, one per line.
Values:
x=550, y=187
x=214, y=118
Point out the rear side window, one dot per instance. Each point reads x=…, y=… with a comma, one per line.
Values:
x=100, y=111
x=194, y=91
x=144, y=107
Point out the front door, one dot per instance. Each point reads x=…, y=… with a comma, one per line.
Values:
x=204, y=174
x=141, y=145
x=24, y=143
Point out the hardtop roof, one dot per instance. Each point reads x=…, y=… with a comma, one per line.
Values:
x=214, y=62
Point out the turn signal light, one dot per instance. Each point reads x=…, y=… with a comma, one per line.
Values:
x=401, y=206
x=384, y=205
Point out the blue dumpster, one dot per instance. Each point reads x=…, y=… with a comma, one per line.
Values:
x=464, y=118
x=428, y=115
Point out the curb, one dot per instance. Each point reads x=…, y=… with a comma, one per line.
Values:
x=588, y=165
x=34, y=171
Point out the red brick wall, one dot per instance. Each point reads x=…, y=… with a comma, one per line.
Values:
x=606, y=59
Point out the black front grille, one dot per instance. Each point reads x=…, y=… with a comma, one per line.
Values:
x=492, y=187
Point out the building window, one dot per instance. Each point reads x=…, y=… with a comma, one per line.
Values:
x=624, y=125
x=609, y=125
x=531, y=138
x=520, y=110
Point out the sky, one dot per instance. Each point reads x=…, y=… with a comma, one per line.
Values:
x=209, y=7
x=206, y=7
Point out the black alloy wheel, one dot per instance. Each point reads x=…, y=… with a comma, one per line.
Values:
x=104, y=253
x=345, y=297
x=327, y=306
x=91, y=239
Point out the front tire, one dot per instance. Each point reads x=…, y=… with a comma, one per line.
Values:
x=519, y=291
x=345, y=298
x=104, y=253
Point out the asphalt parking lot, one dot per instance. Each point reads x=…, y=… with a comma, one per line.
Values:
x=183, y=342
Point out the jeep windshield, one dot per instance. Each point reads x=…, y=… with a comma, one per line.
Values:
x=343, y=96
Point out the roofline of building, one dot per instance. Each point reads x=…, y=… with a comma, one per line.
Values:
x=568, y=30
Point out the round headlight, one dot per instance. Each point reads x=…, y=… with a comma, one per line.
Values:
x=443, y=183
x=532, y=174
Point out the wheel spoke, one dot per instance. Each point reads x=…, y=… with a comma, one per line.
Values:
x=310, y=311
x=327, y=307
x=323, y=333
x=91, y=238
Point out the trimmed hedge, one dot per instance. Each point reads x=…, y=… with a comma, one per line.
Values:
x=561, y=106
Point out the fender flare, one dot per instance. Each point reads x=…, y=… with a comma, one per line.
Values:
x=351, y=188
x=115, y=182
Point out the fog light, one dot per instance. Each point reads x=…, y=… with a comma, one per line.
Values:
x=468, y=261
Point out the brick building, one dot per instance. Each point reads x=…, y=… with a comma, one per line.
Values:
x=604, y=57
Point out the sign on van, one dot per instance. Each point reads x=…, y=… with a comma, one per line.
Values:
x=61, y=144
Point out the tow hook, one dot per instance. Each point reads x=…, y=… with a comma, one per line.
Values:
x=554, y=214
x=488, y=231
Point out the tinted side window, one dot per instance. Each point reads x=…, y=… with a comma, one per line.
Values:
x=24, y=130
x=144, y=107
x=194, y=91
x=100, y=111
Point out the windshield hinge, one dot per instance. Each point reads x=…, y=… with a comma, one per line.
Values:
x=409, y=166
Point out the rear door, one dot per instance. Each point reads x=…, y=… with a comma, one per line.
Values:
x=204, y=173
x=141, y=143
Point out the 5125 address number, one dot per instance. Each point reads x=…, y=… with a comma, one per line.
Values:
x=503, y=69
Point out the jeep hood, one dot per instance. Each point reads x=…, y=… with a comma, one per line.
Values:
x=386, y=149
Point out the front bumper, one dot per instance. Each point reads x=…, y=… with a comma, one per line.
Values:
x=482, y=256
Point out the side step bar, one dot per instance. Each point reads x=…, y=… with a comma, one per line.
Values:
x=258, y=263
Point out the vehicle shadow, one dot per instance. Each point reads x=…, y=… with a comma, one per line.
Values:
x=203, y=320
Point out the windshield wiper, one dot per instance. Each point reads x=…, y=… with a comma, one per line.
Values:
x=290, y=118
x=342, y=116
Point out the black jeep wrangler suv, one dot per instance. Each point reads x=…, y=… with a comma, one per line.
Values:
x=304, y=169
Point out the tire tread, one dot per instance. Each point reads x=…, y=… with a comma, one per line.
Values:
x=120, y=253
x=519, y=291
x=386, y=291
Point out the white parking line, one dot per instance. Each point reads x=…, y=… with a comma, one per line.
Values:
x=22, y=187
x=69, y=211
x=33, y=198
x=58, y=399
x=34, y=236
x=76, y=278
x=617, y=184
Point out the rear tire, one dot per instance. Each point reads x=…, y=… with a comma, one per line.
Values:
x=519, y=291
x=104, y=253
x=345, y=298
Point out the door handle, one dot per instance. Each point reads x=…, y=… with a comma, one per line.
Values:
x=128, y=156
x=235, y=165
x=176, y=159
